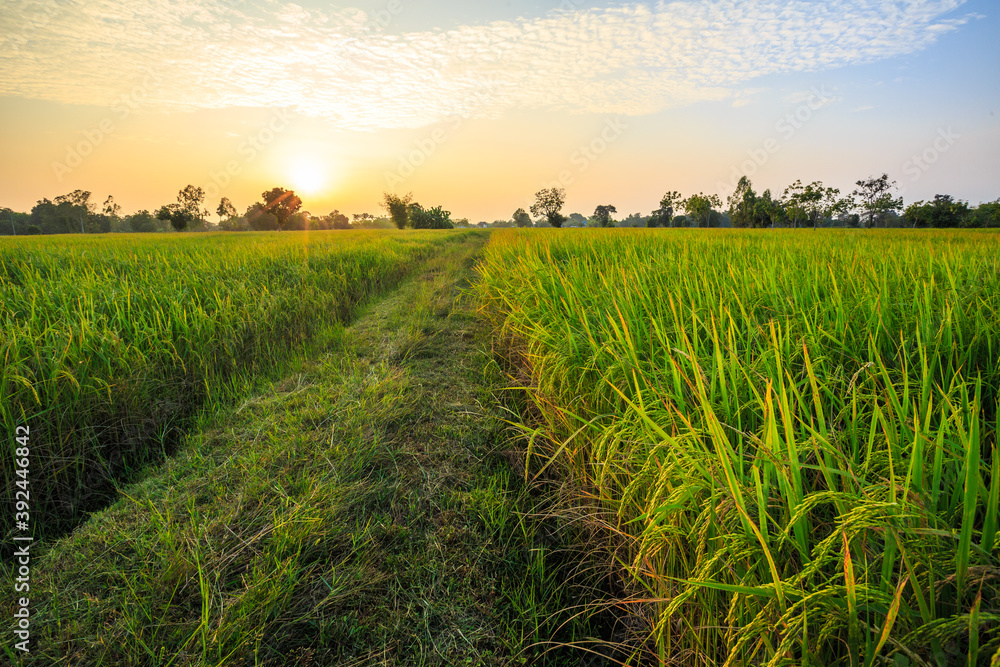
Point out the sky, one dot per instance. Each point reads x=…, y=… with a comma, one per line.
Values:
x=476, y=106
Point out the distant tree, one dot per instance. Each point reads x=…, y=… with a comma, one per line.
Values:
x=521, y=218
x=602, y=215
x=178, y=218
x=74, y=206
x=985, y=215
x=813, y=203
x=191, y=200
x=79, y=198
x=430, y=218
x=875, y=199
x=670, y=203
x=700, y=206
x=260, y=219
x=768, y=212
x=282, y=204
x=143, y=222
x=226, y=209
x=942, y=212
x=298, y=221
x=743, y=204
x=633, y=220
x=800, y=201
x=575, y=220
x=235, y=223
x=462, y=223
x=398, y=208
x=187, y=212
x=7, y=216
x=111, y=209
x=61, y=218
x=549, y=202
x=338, y=220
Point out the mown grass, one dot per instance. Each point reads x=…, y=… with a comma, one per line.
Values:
x=789, y=439
x=111, y=346
x=363, y=512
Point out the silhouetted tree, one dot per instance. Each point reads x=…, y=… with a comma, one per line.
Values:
x=338, y=220
x=670, y=203
x=602, y=215
x=521, y=218
x=282, y=204
x=226, y=209
x=398, y=208
x=430, y=218
x=549, y=202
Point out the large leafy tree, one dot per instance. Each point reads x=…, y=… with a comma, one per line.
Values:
x=768, y=212
x=549, y=202
x=985, y=215
x=700, y=207
x=670, y=203
x=942, y=212
x=338, y=220
x=260, y=219
x=602, y=215
x=65, y=215
x=430, y=218
x=521, y=218
x=875, y=200
x=77, y=205
x=143, y=221
x=187, y=211
x=225, y=209
x=282, y=204
x=743, y=204
x=813, y=203
x=398, y=208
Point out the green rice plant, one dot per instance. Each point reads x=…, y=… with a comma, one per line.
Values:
x=796, y=432
x=112, y=345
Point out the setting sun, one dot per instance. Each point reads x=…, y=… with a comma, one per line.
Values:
x=307, y=177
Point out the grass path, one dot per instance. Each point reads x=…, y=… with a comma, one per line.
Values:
x=358, y=514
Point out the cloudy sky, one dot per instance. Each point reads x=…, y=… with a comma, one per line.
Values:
x=477, y=106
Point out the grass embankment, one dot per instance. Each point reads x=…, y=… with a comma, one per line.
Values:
x=359, y=514
x=112, y=345
x=790, y=438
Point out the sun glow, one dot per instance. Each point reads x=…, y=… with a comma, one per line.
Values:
x=308, y=177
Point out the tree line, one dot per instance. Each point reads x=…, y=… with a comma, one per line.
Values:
x=78, y=213
x=873, y=203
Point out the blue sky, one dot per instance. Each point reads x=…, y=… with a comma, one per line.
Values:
x=476, y=106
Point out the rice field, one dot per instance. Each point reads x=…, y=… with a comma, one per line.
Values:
x=112, y=345
x=788, y=440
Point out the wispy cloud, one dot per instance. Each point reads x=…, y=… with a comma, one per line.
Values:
x=340, y=65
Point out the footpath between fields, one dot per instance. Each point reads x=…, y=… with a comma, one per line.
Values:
x=363, y=512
